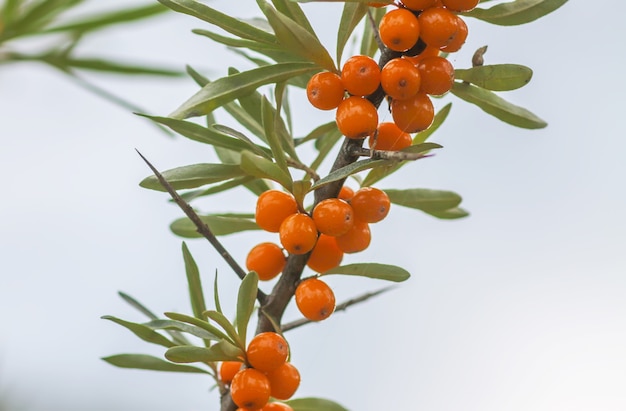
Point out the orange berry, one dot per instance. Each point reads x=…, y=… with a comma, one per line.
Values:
x=250, y=389
x=333, y=216
x=298, y=233
x=284, y=381
x=355, y=240
x=370, y=204
x=419, y=4
x=459, y=39
x=360, y=75
x=414, y=114
x=228, y=370
x=437, y=75
x=276, y=406
x=345, y=193
x=438, y=26
x=400, y=79
x=399, y=29
x=272, y=207
x=267, y=259
x=427, y=52
x=325, y=255
x=388, y=136
x=315, y=299
x=325, y=90
x=460, y=5
x=267, y=351
x=356, y=117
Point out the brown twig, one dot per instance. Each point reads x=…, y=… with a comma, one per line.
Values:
x=388, y=155
x=201, y=226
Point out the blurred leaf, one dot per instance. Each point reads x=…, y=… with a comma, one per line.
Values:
x=268, y=116
x=226, y=89
x=230, y=24
x=210, y=328
x=516, y=12
x=227, y=326
x=450, y=214
x=104, y=19
x=314, y=404
x=171, y=325
x=372, y=270
x=245, y=303
x=369, y=45
x=196, y=296
x=142, y=331
x=497, y=77
x=219, y=225
x=348, y=170
x=66, y=62
x=32, y=17
x=296, y=38
x=263, y=168
x=497, y=106
x=424, y=199
x=148, y=362
x=351, y=16
x=193, y=176
x=221, y=351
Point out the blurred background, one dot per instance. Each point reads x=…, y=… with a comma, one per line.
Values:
x=519, y=307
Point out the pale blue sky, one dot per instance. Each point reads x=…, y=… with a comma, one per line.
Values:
x=519, y=307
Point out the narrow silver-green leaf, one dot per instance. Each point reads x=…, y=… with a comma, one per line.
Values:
x=223, y=90
x=148, y=362
x=516, y=12
x=269, y=122
x=348, y=170
x=440, y=117
x=495, y=105
x=196, y=295
x=245, y=303
x=216, y=295
x=178, y=326
x=227, y=326
x=260, y=167
x=192, y=176
x=293, y=10
x=496, y=77
x=372, y=270
x=219, y=225
x=137, y=305
x=142, y=331
x=451, y=214
x=213, y=330
x=350, y=17
x=314, y=404
x=424, y=199
x=369, y=45
x=240, y=136
x=215, y=353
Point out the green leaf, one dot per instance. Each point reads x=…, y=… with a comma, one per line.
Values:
x=240, y=136
x=227, y=326
x=245, y=303
x=348, y=170
x=218, y=188
x=148, y=362
x=293, y=10
x=497, y=106
x=451, y=214
x=196, y=296
x=351, y=16
x=218, y=223
x=216, y=295
x=230, y=24
x=210, y=328
x=226, y=89
x=109, y=66
x=497, y=77
x=369, y=45
x=262, y=168
x=192, y=176
x=314, y=404
x=372, y=270
x=171, y=325
x=516, y=12
x=30, y=18
x=440, y=117
x=221, y=351
x=142, y=331
x=269, y=123
x=424, y=199
x=137, y=305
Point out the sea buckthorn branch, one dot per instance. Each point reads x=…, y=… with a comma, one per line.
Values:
x=389, y=155
x=201, y=226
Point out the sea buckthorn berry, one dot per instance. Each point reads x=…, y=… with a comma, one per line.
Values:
x=345, y=193
x=429, y=51
x=325, y=90
x=360, y=75
x=272, y=207
x=419, y=4
x=276, y=406
x=388, y=136
x=356, y=117
x=267, y=351
x=459, y=39
x=228, y=370
x=460, y=5
x=267, y=259
x=414, y=114
x=399, y=29
x=437, y=75
x=298, y=233
x=370, y=204
x=284, y=381
x=315, y=299
x=400, y=79
x=438, y=26
x=250, y=389
x=333, y=216
x=325, y=255
x=355, y=240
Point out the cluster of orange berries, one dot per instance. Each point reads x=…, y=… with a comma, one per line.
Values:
x=335, y=226
x=419, y=30
x=267, y=374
